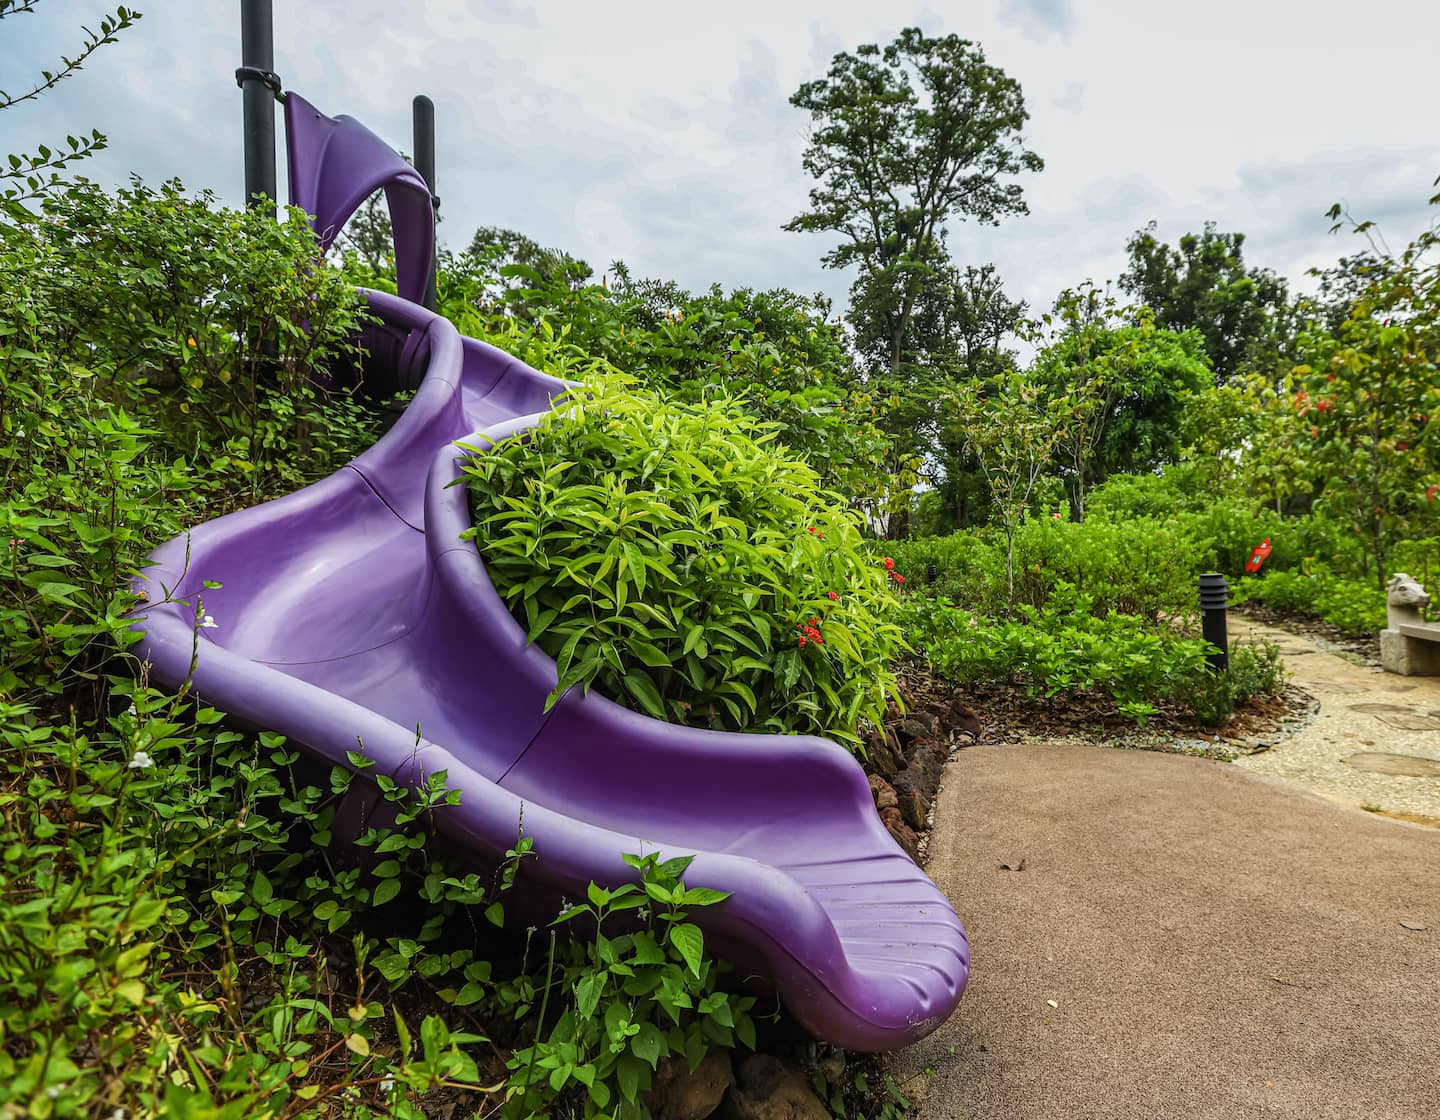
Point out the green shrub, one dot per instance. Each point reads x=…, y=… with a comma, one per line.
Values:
x=1140, y=567
x=1355, y=607
x=633, y=998
x=133, y=400
x=1062, y=649
x=670, y=555
x=1256, y=669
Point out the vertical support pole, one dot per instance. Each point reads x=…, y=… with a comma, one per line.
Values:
x=423, y=132
x=258, y=84
x=1214, y=602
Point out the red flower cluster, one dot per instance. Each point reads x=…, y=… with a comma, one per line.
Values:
x=819, y=536
x=834, y=598
x=889, y=564
x=1430, y=493
x=810, y=632
x=897, y=577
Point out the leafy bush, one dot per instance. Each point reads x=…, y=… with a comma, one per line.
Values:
x=131, y=398
x=1140, y=567
x=1256, y=669
x=1062, y=649
x=671, y=555
x=637, y=997
x=775, y=353
x=1353, y=606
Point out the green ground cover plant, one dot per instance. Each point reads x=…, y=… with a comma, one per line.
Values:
x=671, y=555
x=1355, y=606
x=1063, y=648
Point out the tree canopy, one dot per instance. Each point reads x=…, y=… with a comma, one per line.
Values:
x=1203, y=283
x=906, y=138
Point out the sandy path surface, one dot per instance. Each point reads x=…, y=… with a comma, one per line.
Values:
x=1215, y=943
x=1364, y=712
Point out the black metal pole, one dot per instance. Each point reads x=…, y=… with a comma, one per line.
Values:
x=259, y=85
x=423, y=128
x=1214, y=602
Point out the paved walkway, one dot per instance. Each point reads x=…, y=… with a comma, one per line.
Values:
x=1365, y=715
x=1215, y=944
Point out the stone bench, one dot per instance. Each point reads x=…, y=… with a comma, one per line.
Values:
x=1408, y=646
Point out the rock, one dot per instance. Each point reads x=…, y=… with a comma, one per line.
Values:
x=883, y=793
x=882, y=753
x=768, y=1089
x=682, y=1094
x=902, y=833
x=910, y=729
x=960, y=717
x=910, y=798
x=928, y=765
x=923, y=745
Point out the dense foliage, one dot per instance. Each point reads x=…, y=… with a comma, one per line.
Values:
x=669, y=554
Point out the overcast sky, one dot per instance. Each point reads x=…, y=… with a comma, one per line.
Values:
x=662, y=133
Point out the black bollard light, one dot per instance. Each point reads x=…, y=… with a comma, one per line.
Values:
x=932, y=573
x=1214, y=602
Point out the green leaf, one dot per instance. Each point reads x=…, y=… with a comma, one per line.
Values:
x=640, y=686
x=689, y=942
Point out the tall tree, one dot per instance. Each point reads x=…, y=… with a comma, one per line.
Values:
x=1204, y=284
x=1117, y=390
x=907, y=138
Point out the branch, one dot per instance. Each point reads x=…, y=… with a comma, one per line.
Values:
x=110, y=26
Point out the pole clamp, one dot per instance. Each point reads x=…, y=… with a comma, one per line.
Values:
x=268, y=78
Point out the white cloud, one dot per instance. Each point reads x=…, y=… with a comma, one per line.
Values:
x=1039, y=19
x=662, y=134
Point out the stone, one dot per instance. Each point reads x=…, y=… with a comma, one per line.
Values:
x=1404, y=598
x=910, y=729
x=960, y=717
x=882, y=753
x=883, y=793
x=1399, y=765
x=680, y=1093
x=1409, y=657
x=902, y=833
x=768, y=1089
x=910, y=798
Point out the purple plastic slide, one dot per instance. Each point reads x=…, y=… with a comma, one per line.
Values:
x=352, y=612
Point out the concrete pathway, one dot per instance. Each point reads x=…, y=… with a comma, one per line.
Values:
x=1375, y=741
x=1186, y=939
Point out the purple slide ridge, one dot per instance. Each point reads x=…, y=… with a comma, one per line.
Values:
x=352, y=616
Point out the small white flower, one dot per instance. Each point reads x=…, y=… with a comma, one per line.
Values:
x=387, y=1084
x=209, y=623
x=53, y=1093
x=141, y=761
x=118, y=1114
x=132, y=709
x=643, y=913
x=529, y=931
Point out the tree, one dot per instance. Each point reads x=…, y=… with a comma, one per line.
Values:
x=906, y=138
x=1204, y=284
x=1117, y=390
x=1008, y=429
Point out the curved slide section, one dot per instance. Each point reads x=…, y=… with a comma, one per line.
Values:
x=351, y=612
